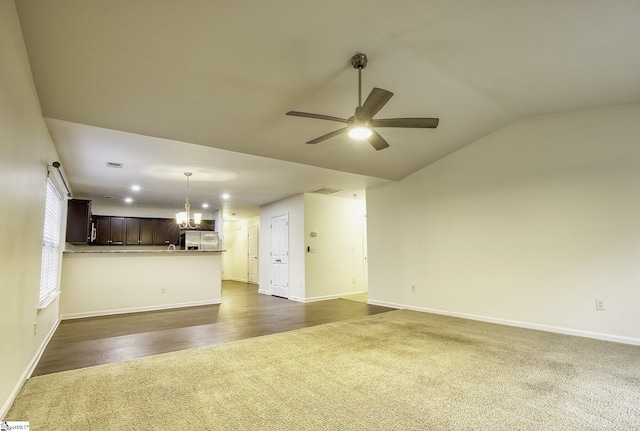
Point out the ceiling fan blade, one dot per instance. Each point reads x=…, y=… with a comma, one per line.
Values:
x=328, y=135
x=424, y=123
x=317, y=116
x=375, y=101
x=377, y=141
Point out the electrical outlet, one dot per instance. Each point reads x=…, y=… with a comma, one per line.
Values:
x=601, y=304
x=163, y=290
x=353, y=281
x=413, y=288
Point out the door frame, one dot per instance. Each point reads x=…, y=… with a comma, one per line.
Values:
x=253, y=259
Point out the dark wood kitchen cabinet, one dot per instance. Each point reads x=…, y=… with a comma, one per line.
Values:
x=78, y=221
x=165, y=232
x=207, y=225
x=109, y=230
x=139, y=231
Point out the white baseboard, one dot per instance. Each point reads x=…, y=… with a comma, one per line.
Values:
x=137, y=309
x=360, y=292
x=315, y=298
x=388, y=304
x=28, y=371
x=321, y=298
x=336, y=296
x=516, y=323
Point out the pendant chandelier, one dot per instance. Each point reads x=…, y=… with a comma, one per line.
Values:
x=184, y=218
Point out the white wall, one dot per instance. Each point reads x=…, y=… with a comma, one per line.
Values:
x=294, y=207
x=96, y=284
x=236, y=244
x=336, y=267
x=25, y=151
x=528, y=226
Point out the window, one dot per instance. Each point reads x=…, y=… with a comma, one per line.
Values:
x=50, y=245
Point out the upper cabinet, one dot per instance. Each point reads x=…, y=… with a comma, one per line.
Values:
x=78, y=221
x=139, y=231
x=165, y=232
x=109, y=230
x=207, y=225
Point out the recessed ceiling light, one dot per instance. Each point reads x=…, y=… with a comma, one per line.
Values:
x=225, y=196
x=205, y=205
x=128, y=200
x=135, y=187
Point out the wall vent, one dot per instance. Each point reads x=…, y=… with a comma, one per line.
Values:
x=327, y=191
x=114, y=165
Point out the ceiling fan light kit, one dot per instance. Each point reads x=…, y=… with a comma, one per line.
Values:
x=362, y=125
x=360, y=131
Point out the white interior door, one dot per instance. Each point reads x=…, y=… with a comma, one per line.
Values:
x=280, y=255
x=252, y=276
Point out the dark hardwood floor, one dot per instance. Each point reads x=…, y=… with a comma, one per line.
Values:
x=244, y=313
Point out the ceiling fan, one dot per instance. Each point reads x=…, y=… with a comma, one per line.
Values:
x=361, y=125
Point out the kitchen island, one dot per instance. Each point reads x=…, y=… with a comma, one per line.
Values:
x=103, y=282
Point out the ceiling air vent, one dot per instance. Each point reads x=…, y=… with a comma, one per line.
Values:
x=327, y=191
x=114, y=165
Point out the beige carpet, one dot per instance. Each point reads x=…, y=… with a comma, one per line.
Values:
x=400, y=370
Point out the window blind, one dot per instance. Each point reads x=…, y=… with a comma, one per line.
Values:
x=50, y=243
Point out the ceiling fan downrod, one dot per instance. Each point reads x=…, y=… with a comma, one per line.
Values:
x=359, y=61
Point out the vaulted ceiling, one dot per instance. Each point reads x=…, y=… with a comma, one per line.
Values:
x=221, y=75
